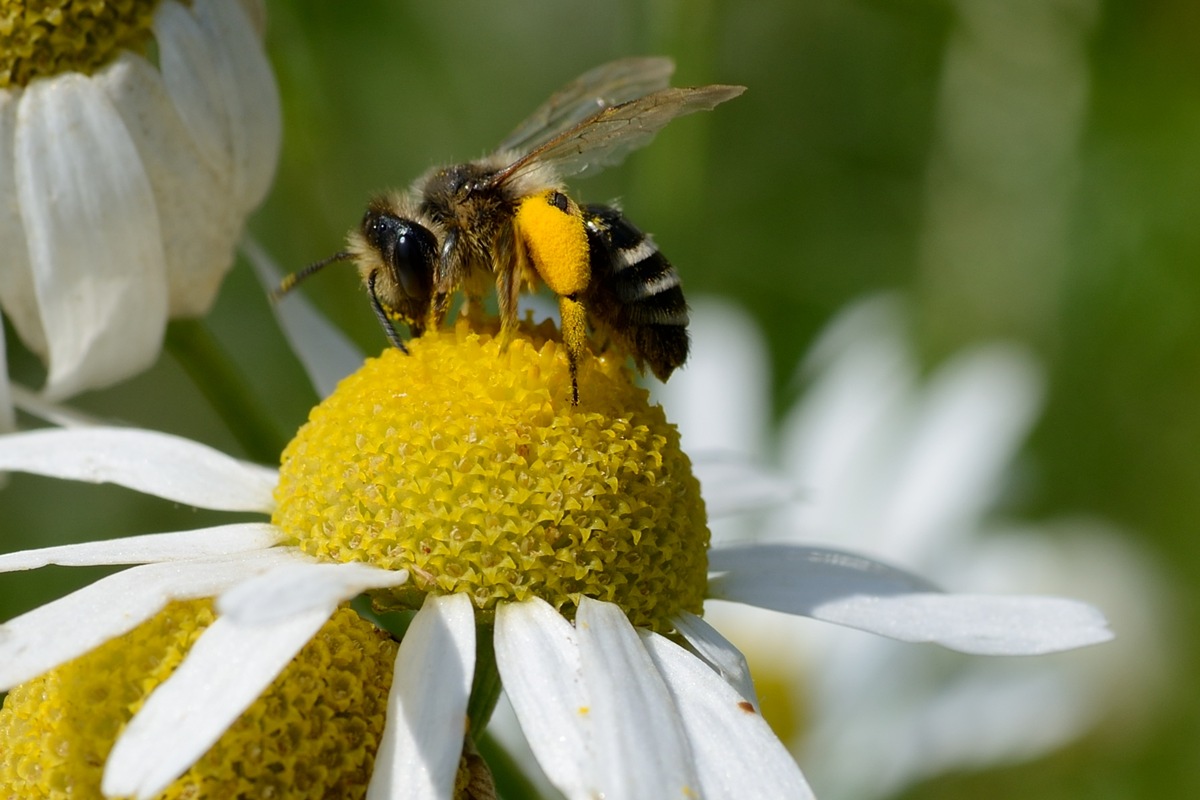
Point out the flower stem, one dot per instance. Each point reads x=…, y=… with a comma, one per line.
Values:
x=485, y=690
x=225, y=388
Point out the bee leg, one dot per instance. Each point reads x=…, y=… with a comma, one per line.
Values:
x=508, y=289
x=444, y=281
x=438, y=309
x=382, y=315
x=574, y=333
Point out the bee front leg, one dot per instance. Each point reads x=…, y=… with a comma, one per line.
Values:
x=508, y=290
x=446, y=275
x=438, y=307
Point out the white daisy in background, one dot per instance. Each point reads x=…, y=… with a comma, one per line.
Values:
x=907, y=468
x=456, y=480
x=125, y=181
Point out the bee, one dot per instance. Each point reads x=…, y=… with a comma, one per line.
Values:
x=507, y=220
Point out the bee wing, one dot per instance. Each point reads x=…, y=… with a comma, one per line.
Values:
x=608, y=135
x=607, y=85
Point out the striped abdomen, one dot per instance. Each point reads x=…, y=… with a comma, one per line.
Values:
x=634, y=293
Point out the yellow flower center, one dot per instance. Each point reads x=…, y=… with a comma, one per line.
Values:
x=465, y=463
x=313, y=733
x=50, y=37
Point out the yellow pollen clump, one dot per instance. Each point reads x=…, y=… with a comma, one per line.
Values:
x=465, y=463
x=555, y=239
x=313, y=733
x=50, y=37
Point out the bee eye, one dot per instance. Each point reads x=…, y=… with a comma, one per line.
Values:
x=408, y=249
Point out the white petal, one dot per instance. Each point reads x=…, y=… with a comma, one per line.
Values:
x=326, y=353
x=250, y=94
x=297, y=588
x=991, y=714
x=718, y=652
x=59, y=631
x=187, y=63
x=638, y=736
x=199, y=224
x=736, y=752
x=227, y=669
x=18, y=297
x=720, y=398
x=152, y=547
x=92, y=231
x=877, y=319
x=155, y=463
x=720, y=402
x=840, y=441
x=795, y=579
x=733, y=484
x=427, y=707
x=58, y=414
x=981, y=624
x=975, y=413
x=217, y=74
x=860, y=593
x=538, y=657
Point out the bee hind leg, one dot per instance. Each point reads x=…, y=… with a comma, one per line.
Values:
x=574, y=333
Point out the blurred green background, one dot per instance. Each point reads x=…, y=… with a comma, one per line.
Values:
x=1019, y=168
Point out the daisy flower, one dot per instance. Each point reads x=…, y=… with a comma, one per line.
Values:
x=558, y=550
x=312, y=733
x=911, y=468
x=136, y=136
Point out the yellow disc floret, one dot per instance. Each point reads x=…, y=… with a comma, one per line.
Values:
x=313, y=733
x=465, y=464
x=50, y=37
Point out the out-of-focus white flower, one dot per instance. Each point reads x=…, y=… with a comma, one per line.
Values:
x=125, y=181
x=886, y=462
x=725, y=430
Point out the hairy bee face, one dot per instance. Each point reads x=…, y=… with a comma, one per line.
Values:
x=396, y=257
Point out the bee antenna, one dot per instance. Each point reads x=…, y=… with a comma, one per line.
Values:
x=291, y=281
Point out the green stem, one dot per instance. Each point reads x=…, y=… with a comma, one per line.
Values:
x=485, y=690
x=511, y=781
x=225, y=388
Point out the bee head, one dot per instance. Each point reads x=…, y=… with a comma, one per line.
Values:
x=408, y=252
